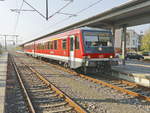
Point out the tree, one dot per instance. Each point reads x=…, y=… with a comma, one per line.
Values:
x=145, y=45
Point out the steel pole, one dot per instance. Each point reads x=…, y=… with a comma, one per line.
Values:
x=113, y=39
x=46, y=9
x=124, y=44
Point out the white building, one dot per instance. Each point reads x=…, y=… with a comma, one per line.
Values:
x=132, y=39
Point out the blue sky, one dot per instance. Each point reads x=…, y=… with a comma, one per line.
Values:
x=31, y=25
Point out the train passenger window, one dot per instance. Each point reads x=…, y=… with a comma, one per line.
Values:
x=71, y=44
x=64, y=43
x=39, y=46
x=48, y=46
x=76, y=43
x=42, y=46
x=55, y=44
x=51, y=44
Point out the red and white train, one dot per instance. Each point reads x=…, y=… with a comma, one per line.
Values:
x=82, y=48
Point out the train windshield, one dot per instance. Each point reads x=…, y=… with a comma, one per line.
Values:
x=94, y=40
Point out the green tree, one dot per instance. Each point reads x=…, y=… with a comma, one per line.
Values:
x=145, y=45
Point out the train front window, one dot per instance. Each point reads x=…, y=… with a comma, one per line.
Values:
x=91, y=40
x=96, y=39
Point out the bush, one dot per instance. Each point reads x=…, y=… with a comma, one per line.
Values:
x=146, y=41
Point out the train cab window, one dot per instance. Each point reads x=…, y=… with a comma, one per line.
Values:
x=76, y=43
x=55, y=44
x=95, y=39
x=64, y=43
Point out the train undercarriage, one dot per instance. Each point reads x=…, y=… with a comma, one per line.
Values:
x=86, y=66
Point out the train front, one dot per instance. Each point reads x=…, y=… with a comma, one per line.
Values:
x=98, y=50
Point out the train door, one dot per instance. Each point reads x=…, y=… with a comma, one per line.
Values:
x=72, y=48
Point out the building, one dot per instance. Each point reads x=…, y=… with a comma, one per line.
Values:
x=132, y=40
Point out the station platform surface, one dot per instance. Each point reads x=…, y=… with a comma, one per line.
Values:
x=3, y=73
x=135, y=71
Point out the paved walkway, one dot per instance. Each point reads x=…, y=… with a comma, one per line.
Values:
x=136, y=68
x=136, y=71
x=3, y=72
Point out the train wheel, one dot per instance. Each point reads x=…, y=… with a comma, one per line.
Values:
x=66, y=65
x=84, y=70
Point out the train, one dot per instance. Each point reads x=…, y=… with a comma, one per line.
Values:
x=85, y=49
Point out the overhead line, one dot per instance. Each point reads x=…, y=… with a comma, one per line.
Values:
x=60, y=9
x=95, y=3
x=80, y=11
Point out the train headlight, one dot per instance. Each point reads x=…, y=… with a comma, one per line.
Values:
x=100, y=48
x=89, y=56
x=101, y=56
x=111, y=57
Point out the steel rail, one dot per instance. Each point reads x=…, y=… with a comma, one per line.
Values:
x=28, y=101
x=123, y=90
x=57, y=90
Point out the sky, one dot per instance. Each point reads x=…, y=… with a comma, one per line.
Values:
x=30, y=25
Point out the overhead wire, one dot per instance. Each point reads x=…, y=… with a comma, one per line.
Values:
x=60, y=9
x=47, y=16
x=80, y=11
x=93, y=4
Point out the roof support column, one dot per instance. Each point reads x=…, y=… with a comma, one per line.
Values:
x=113, y=39
x=124, y=43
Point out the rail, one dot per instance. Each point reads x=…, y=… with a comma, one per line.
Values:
x=57, y=90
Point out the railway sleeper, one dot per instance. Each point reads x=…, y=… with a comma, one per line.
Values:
x=53, y=105
x=45, y=96
x=43, y=93
x=61, y=110
x=33, y=90
x=39, y=86
x=48, y=100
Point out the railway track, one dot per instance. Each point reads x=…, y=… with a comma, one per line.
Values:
x=14, y=99
x=114, y=83
x=123, y=86
x=41, y=95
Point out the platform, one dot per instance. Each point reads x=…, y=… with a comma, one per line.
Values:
x=134, y=71
x=3, y=73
